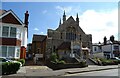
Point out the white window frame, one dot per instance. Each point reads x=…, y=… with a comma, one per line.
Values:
x=18, y=34
x=2, y=31
x=8, y=51
x=17, y=52
x=2, y=52
x=8, y=32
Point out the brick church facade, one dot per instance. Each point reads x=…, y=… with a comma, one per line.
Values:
x=68, y=33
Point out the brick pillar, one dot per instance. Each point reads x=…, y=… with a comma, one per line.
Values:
x=23, y=53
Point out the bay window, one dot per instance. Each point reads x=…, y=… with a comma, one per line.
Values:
x=9, y=51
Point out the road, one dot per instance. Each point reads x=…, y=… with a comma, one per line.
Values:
x=112, y=72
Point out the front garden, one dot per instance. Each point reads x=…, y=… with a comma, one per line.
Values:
x=55, y=63
x=104, y=61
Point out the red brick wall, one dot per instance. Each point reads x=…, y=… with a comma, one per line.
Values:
x=23, y=53
x=10, y=41
x=10, y=19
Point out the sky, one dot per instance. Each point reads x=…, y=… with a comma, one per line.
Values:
x=97, y=18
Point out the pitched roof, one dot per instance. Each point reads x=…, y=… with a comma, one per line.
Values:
x=39, y=37
x=71, y=18
x=6, y=15
x=64, y=46
x=2, y=12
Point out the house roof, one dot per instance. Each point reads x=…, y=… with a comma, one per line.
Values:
x=6, y=15
x=39, y=37
x=2, y=12
x=64, y=46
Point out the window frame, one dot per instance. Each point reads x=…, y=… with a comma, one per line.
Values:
x=5, y=31
x=11, y=32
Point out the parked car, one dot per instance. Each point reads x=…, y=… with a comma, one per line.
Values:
x=9, y=60
x=116, y=58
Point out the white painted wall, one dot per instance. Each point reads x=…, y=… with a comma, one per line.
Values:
x=24, y=37
x=97, y=49
x=106, y=48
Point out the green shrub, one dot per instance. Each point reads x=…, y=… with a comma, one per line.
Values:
x=10, y=67
x=83, y=63
x=61, y=62
x=53, y=57
x=22, y=61
x=109, y=62
x=5, y=69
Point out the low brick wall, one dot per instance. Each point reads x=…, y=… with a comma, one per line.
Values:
x=65, y=66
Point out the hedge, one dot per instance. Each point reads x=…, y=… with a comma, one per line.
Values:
x=22, y=61
x=10, y=67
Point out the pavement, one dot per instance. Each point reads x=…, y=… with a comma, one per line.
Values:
x=45, y=71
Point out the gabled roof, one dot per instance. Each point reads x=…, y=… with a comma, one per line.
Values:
x=2, y=12
x=71, y=18
x=39, y=37
x=6, y=15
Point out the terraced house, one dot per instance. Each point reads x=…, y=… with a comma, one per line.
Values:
x=13, y=34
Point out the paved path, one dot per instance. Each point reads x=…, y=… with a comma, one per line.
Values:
x=45, y=71
x=111, y=72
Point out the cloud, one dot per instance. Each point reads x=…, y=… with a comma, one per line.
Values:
x=41, y=32
x=67, y=9
x=100, y=24
x=45, y=11
x=36, y=29
x=61, y=9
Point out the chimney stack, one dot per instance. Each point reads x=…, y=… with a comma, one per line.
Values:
x=105, y=40
x=26, y=19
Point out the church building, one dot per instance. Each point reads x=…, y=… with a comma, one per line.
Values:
x=68, y=39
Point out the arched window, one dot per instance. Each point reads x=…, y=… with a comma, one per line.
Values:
x=71, y=33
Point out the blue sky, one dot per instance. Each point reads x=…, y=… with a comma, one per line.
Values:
x=96, y=18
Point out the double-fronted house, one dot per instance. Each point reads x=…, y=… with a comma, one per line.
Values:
x=111, y=48
x=13, y=35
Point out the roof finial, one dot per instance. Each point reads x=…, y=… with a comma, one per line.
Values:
x=64, y=17
x=64, y=12
x=77, y=15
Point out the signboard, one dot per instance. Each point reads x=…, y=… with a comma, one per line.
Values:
x=39, y=55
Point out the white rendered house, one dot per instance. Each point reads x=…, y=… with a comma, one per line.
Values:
x=13, y=35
